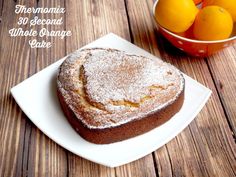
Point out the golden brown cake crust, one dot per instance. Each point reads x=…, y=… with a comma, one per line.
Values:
x=108, y=95
x=125, y=131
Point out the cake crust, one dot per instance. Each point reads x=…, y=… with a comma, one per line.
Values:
x=109, y=96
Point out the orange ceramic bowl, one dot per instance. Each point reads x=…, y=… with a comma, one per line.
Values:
x=192, y=46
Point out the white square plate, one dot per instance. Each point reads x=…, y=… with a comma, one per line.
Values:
x=37, y=98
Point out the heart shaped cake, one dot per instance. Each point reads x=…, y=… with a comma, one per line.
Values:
x=108, y=95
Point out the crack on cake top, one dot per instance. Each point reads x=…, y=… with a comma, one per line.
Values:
x=113, y=77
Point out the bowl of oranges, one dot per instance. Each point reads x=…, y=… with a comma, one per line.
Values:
x=197, y=27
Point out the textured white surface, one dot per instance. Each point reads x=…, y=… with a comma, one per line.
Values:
x=110, y=76
x=37, y=98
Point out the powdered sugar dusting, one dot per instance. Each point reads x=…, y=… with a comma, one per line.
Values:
x=111, y=87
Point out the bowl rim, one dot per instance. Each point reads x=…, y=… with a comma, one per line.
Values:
x=184, y=38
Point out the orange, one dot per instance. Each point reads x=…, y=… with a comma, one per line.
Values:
x=213, y=23
x=229, y=5
x=176, y=16
x=197, y=1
